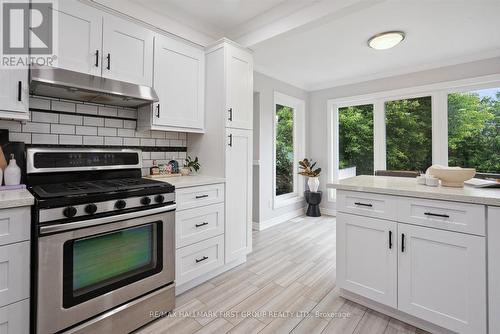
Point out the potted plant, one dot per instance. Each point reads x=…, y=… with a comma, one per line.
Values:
x=190, y=165
x=307, y=169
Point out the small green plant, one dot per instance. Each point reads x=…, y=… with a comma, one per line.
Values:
x=307, y=168
x=193, y=165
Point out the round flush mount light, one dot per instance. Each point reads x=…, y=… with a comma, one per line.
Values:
x=386, y=40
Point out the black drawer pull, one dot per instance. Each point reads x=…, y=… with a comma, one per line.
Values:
x=97, y=58
x=402, y=243
x=158, y=111
x=230, y=140
x=200, y=225
x=109, y=61
x=202, y=259
x=390, y=239
x=20, y=91
x=436, y=215
x=201, y=196
x=230, y=114
x=363, y=204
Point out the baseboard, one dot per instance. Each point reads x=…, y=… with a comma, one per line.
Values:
x=260, y=226
x=328, y=212
x=199, y=280
x=396, y=314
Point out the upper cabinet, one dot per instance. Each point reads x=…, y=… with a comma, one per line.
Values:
x=14, y=94
x=179, y=81
x=79, y=37
x=239, y=86
x=127, y=51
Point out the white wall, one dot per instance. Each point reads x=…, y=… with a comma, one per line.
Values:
x=317, y=114
x=266, y=86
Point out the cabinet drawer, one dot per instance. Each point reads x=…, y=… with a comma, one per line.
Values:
x=14, y=318
x=193, y=197
x=14, y=225
x=198, y=224
x=367, y=204
x=198, y=259
x=14, y=272
x=452, y=216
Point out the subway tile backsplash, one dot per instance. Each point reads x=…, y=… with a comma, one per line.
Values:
x=63, y=122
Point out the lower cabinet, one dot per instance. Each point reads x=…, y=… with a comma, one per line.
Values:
x=435, y=275
x=14, y=318
x=442, y=278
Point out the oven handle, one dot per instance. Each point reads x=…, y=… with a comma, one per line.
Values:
x=104, y=220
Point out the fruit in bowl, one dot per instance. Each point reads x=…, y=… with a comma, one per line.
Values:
x=451, y=176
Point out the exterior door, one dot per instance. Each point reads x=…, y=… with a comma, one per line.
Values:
x=238, y=193
x=179, y=82
x=239, y=83
x=127, y=51
x=442, y=278
x=79, y=37
x=14, y=94
x=367, y=257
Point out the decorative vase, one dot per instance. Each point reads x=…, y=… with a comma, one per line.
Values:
x=12, y=173
x=185, y=171
x=313, y=183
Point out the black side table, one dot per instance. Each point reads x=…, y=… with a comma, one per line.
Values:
x=313, y=199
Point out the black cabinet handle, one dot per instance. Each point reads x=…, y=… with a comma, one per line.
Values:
x=109, y=61
x=20, y=91
x=363, y=204
x=436, y=215
x=402, y=243
x=230, y=114
x=97, y=58
x=201, y=196
x=158, y=111
x=390, y=239
x=200, y=225
x=202, y=259
x=230, y=140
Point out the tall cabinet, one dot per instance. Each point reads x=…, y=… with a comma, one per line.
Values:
x=226, y=147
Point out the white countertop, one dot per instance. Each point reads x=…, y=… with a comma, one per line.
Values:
x=15, y=198
x=191, y=180
x=401, y=186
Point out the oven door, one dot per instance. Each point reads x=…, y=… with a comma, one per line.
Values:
x=86, y=271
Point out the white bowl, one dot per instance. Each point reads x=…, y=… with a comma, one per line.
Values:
x=452, y=176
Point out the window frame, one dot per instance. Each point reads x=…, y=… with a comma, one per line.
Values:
x=298, y=106
x=439, y=95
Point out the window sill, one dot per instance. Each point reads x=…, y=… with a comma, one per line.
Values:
x=282, y=202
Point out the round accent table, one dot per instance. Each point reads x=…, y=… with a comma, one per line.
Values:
x=313, y=199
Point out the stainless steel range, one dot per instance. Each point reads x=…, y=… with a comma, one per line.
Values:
x=103, y=241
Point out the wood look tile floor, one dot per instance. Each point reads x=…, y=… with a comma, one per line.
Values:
x=291, y=269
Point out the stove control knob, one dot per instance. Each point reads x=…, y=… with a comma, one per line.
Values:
x=69, y=212
x=120, y=204
x=145, y=200
x=159, y=198
x=91, y=209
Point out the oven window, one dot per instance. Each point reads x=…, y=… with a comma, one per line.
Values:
x=101, y=263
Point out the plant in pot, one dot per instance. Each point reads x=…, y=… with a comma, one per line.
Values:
x=307, y=169
x=190, y=165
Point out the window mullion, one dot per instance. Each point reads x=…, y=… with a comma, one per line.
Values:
x=440, y=128
x=379, y=139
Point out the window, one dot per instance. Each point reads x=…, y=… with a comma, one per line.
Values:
x=409, y=134
x=355, y=140
x=474, y=130
x=288, y=147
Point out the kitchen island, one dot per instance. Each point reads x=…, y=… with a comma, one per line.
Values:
x=420, y=254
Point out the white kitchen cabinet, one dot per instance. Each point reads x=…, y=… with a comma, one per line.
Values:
x=494, y=269
x=179, y=81
x=238, y=193
x=127, y=51
x=79, y=37
x=14, y=318
x=14, y=95
x=442, y=278
x=239, y=85
x=367, y=257
x=14, y=272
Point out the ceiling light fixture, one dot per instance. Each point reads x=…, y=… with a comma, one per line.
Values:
x=386, y=40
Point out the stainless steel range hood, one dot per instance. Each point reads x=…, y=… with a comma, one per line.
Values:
x=60, y=83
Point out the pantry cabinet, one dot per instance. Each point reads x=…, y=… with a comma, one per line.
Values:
x=14, y=96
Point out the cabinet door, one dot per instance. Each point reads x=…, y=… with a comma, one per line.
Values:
x=367, y=257
x=494, y=268
x=14, y=93
x=442, y=278
x=238, y=193
x=239, y=85
x=79, y=37
x=179, y=82
x=127, y=51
